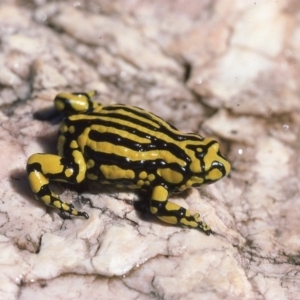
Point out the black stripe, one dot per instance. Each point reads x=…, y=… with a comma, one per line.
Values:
x=155, y=144
x=150, y=166
x=81, y=125
x=142, y=113
x=119, y=116
x=204, y=148
x=115, y=117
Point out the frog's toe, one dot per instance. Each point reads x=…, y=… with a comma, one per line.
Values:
x=204, y=227
x=83, y=214
x=197, y=217
x=65, y=215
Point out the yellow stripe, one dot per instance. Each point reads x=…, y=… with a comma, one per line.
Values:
x=143, y=129
x=164, y=123
x=115, y=172
x=79, y=160
x=170, y=175
x=106, y=147
x=159, y=135
x=50, y=163
x=36, y=181
x=105, y=114
x=147, y=118
x=122, y=122
x=83, y=138
x=159, y=193
x=169, y=220
x=121, y=111
x=133, y=125
x=123, y=133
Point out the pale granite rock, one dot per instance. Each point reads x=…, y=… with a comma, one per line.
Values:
x=227, y=69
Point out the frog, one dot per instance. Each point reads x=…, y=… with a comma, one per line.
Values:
x=128, y=147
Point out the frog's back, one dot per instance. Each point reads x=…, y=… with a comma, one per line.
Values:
x=124, y=141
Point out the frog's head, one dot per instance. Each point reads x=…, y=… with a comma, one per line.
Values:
x=208, y=165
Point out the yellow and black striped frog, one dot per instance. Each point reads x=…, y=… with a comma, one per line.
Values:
x=126, y=146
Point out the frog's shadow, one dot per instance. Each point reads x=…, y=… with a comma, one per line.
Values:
x=18, y=176
x=48, y=142
x=19, y=183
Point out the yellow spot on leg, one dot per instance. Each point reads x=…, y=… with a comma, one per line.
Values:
x=65, y=206
x=36, y=181
x=46, y=199
x=159, y=193
x=74, y=212
x=169, y=220
x=170, y=206
x=185, y=222
x=170, y=175
x=57, y=204
x=153, y=210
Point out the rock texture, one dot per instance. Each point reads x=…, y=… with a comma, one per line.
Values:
x=228, y=69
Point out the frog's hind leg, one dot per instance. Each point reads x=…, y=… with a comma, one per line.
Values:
x=43, y=168
x=172, y=213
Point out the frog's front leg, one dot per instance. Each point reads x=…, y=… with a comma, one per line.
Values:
x=172, y=213
x=43, y=168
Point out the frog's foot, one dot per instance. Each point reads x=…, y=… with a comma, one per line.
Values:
x=194, y=221
x=42, y=168
x=68, y=210
x=202, y=225
x=173, y=213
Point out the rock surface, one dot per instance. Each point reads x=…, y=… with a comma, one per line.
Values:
x=228, y=69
